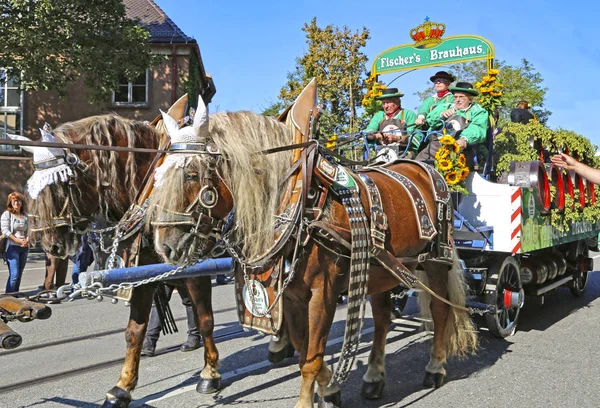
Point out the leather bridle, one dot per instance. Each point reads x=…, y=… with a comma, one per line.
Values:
x=69, y=216
x=206, y=230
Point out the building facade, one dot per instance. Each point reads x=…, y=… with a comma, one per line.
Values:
x=158, y=88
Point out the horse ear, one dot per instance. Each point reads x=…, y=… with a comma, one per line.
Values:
x=201, y=118
x=29, y=149
x=170, y=124
x=47, y=136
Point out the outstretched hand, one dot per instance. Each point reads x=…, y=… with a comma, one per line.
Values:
x=564, y=161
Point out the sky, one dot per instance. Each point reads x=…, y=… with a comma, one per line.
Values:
x=249, y=46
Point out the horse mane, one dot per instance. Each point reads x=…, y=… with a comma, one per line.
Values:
x=254, y=179
x=116, y=186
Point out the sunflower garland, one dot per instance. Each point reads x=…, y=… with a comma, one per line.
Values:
x=451, y=165
x=374, y=89
x=490, y=91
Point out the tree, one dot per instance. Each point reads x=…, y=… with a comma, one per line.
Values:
x=521, y=82
x=51, y=43
x=335, y=59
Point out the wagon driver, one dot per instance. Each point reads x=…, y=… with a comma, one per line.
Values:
x=392, y=118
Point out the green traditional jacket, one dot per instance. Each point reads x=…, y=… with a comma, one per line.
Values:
x=404, y=114
x=478, y=119
x=432, y=108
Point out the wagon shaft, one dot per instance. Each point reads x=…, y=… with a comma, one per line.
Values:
x=24, y=310
x=8, y=338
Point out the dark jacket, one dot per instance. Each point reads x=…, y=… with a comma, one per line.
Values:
x=519, y=115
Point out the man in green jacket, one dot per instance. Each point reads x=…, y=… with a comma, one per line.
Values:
x=475, y=116
x=392, y=118
x=432, y=107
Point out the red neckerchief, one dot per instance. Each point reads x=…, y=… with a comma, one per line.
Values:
x=393, y=113
x=440, y=95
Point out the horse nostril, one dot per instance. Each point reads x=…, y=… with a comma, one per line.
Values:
x=166, y=250
x=54, y=249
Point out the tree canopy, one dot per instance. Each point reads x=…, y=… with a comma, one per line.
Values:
x=521, y=82
x=54, y=42
x=334, y=57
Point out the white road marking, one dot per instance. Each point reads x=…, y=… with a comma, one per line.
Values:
x=230, y=374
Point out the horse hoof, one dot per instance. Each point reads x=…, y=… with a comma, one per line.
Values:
x=117, y=398
x=434, y=380
x=372, y=390
x=276, y=357
x=208, y=386
x=331, y=401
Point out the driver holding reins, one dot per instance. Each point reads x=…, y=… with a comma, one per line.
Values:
x=394, y=123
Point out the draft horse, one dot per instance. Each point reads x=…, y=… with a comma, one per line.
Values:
x=104, y=184
x=258, y=184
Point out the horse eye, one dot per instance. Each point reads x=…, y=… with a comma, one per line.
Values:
x=190, y=176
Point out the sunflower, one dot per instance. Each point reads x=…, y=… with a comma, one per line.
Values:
x=452, y=178
x=456, y=147
x=444, y=164
x=447, y=140
x=462, y=160
x=442, y=153
x=463, y=173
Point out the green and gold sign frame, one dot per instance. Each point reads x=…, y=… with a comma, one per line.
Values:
x=430, y=50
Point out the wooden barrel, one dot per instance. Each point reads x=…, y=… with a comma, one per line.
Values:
x=569, y=188
x=556, y=179
x=532, y=175
x=579, y=185
x=590, y=189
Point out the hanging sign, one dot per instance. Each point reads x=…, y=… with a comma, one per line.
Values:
x=430, y=50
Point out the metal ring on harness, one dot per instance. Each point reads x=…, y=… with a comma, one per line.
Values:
x=208, y=197
x=72, y=159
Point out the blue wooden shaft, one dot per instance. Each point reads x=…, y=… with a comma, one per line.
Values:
x=208, y=267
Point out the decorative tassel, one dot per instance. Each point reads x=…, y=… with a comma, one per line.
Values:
x=43, y=178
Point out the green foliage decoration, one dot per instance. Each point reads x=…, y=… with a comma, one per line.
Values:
x=516, y=143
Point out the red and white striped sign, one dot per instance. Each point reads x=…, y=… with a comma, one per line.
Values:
x=515, y=220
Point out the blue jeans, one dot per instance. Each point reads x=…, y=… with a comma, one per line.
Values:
x=16, y=257
x=82, y=260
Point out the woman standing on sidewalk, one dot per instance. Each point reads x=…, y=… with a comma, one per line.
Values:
x=14, y=227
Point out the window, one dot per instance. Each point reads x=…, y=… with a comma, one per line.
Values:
x=132, y=93
x=10, y=94
x=11, y=118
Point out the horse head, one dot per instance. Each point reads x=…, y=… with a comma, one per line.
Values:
x=189, y=199
x=211, y=163
x=69, y=191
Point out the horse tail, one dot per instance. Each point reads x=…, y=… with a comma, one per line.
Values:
x=461, y=335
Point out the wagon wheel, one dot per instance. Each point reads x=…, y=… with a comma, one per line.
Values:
x=577, y=285
x=504, y=291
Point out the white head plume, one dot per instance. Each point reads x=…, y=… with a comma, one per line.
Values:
x=197, y=133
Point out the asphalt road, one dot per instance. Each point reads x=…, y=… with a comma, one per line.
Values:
x=73, y=358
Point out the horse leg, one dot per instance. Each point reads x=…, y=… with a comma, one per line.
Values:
x=141, y=302
x=435, y=373
x=374, y=378
x=318, y=320
x=280, y=348
x=200, y=290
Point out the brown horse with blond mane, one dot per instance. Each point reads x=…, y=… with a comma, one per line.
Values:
x=233, y=164
x=103, y=185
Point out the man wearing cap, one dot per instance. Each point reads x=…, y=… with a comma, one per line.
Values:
x=475, y=117
x=391, y=118
x=432, y=107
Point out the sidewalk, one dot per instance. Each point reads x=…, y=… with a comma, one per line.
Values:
x=34, y=273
